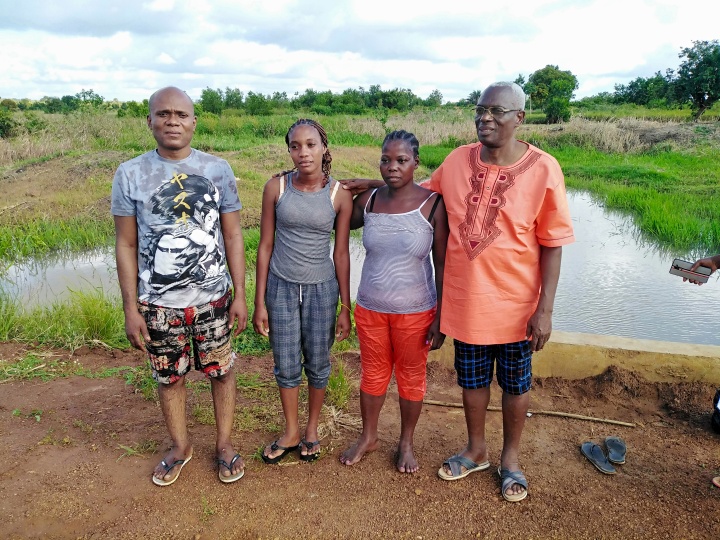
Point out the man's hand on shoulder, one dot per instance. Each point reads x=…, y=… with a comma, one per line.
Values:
x=356, y=186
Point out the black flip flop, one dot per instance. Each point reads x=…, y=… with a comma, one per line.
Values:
x=274, y=447
x=309, y=445
x=597, y=457
x=616, y=450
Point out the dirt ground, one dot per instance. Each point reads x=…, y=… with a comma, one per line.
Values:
x=65, y=476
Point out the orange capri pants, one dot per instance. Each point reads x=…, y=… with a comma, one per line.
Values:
x=393, y=339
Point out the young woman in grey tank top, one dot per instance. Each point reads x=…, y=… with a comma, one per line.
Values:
x=397, y=314
x=297, y=284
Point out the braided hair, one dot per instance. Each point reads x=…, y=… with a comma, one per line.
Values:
x=326, y=158
x=405, y=136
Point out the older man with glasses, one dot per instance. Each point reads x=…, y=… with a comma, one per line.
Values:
x=509, y=218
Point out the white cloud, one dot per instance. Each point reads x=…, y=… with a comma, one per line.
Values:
x=126, y=49
x=160, y=5
x=166, y=59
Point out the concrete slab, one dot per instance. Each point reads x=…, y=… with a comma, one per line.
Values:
x=575, y=356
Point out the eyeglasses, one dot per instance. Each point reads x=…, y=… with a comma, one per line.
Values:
x=495, y=112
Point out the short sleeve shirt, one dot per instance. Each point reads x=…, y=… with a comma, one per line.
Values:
x=499, y=217
x=177, y=204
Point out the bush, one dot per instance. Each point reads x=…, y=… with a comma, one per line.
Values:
x=8, y=124
x=34, y=123
x=557, y=109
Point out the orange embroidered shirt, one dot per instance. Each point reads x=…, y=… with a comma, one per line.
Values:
x=499, y=217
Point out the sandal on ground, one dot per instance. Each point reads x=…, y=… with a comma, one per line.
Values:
x=508, y=478
x=616, y=450
x=455, y=464
x=233, y=477
x=716, y=481
x=168, y=467
x=309, y=446
x=274, y=447
x=597, y=457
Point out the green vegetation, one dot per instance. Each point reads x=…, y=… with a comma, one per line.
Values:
x=140, y=449
x=663, y=173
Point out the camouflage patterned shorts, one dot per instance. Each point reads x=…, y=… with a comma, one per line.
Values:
x=176, y=334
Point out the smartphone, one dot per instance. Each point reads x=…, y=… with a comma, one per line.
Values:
x=682, y=268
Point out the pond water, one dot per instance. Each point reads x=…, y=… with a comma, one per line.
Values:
x=612, y=282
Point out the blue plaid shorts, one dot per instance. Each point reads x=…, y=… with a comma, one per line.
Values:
x=474, y=366
x=302, y=329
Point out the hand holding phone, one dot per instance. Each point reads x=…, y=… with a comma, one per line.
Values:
x=682, y=268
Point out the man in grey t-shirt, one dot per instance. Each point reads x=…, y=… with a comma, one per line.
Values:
x=179, y=248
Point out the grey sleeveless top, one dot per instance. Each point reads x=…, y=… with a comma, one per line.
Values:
x=303, y=224
x=397, y=275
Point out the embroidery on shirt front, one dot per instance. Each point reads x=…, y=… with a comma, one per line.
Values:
x=477, y=232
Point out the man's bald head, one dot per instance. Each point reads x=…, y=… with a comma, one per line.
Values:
x=170, y=90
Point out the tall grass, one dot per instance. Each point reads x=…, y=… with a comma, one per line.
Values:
x=88, y=318
x=37, y=238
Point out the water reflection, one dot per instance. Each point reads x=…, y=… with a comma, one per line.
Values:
x=53, y=278
x=612, y=282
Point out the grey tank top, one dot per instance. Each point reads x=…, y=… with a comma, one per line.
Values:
x=303, y=224
x=397, y=275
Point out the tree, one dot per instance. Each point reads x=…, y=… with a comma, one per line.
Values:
x=434, y=99
x=552, y=89
x=233, y=98
x=212, y=100
x=257, y=104
x=89, y=97
x=472, y=98
x=698, y=77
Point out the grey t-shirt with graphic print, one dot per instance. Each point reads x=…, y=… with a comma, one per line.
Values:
x=177, y=204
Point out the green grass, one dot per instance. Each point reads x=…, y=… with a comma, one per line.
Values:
x=339, y=388
x=36, y=238
x=673, y=197
x=140, y=449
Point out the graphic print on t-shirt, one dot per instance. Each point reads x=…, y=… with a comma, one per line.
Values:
x=183, y=251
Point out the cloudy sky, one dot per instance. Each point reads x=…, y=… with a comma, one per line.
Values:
x=127, y=49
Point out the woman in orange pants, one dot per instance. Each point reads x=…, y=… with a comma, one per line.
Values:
x=398, y=301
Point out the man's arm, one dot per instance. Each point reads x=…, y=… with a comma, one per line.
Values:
x=356, y=186
x=126, y=253
x=235, y=256
x=539, y=326
x=271, y=192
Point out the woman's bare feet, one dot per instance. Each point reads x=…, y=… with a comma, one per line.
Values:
x=406, y=462
x=355, y=453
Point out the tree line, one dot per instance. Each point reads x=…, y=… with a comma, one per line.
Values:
x=695, y=83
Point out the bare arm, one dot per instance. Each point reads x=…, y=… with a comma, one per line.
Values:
x=539, y=326
x=440, y=237
x=235, y=256
x=265, y=249
x=126, y=253
x=341, y=258
x=358, y=212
